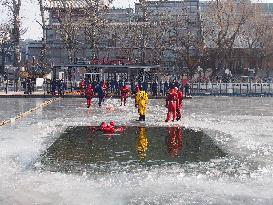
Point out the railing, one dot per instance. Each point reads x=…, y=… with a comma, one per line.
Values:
x=10, y=87
x=232, y=89
x=196, y=89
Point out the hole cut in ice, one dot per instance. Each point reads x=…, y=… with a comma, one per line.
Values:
x=82, y=147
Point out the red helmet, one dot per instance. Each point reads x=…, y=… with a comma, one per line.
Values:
x=112, y=123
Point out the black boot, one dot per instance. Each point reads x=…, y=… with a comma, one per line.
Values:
x=139, y=119
x=143, y=117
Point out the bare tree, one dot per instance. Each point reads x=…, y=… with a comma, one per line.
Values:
x=222, y=24
x=4, y=44
x=69, y=28
x=95, y=23
x=44, y=41
x=14, y=7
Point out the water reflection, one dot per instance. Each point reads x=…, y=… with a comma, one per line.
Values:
x=82, y=146
x=174, y=141
x=142, y=143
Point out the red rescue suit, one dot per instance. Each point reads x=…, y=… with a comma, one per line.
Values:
x=104, y=87
x=88, y=95
x=110, y=129
x=171, y=104
x=124, y=90
x=179, y=104
x=82, y=84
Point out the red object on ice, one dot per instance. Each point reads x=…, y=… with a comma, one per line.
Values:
x=112, y=123
x=119, y=129
x=110, y=129
x=103, y=125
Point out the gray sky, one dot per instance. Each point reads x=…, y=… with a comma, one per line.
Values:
x=30, y=13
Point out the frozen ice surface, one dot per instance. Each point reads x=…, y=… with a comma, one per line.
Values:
x=10, y=107
x=240, y=126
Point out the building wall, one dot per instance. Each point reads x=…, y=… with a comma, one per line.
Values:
x=124, y=38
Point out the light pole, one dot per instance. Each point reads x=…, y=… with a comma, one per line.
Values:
x=199, y=70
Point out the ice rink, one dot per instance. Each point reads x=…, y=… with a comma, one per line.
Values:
x=241, y=127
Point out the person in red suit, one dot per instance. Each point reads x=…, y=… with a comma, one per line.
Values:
x=104, y=87
x=137, y=88
x=88, y=95
x=82, y=86
x=179, y=103
x=110, y=128
x=124, y=91
x=171, y=104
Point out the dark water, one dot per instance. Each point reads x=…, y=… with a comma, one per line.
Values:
x=84, y=148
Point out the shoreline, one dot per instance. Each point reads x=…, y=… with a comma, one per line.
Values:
x=42, y=95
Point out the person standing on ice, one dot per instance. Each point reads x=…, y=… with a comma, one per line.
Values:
x=88, y=95
x=104, y=87
x=82, y=86
x=141, y=102
x=179, y=103
x=101, y=94
x=137, y=89
x=61, y=88
x=124, y=91
x=171, y=104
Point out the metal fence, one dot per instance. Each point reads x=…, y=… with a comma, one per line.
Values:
x=196, y=89
x=232, y=89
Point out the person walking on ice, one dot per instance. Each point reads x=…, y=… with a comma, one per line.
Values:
x=171, y=104
x=124, y=92
x=179, y=103
x=88, y=95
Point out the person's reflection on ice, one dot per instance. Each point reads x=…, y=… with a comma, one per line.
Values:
x=142, y=143
x=174, y=141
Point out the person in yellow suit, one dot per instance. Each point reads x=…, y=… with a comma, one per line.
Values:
x=142, y=143
x=141, y=102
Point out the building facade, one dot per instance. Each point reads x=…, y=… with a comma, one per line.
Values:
x=170, y=31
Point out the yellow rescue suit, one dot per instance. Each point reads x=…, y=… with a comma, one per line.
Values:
x=141, y=101
x=142, y=143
